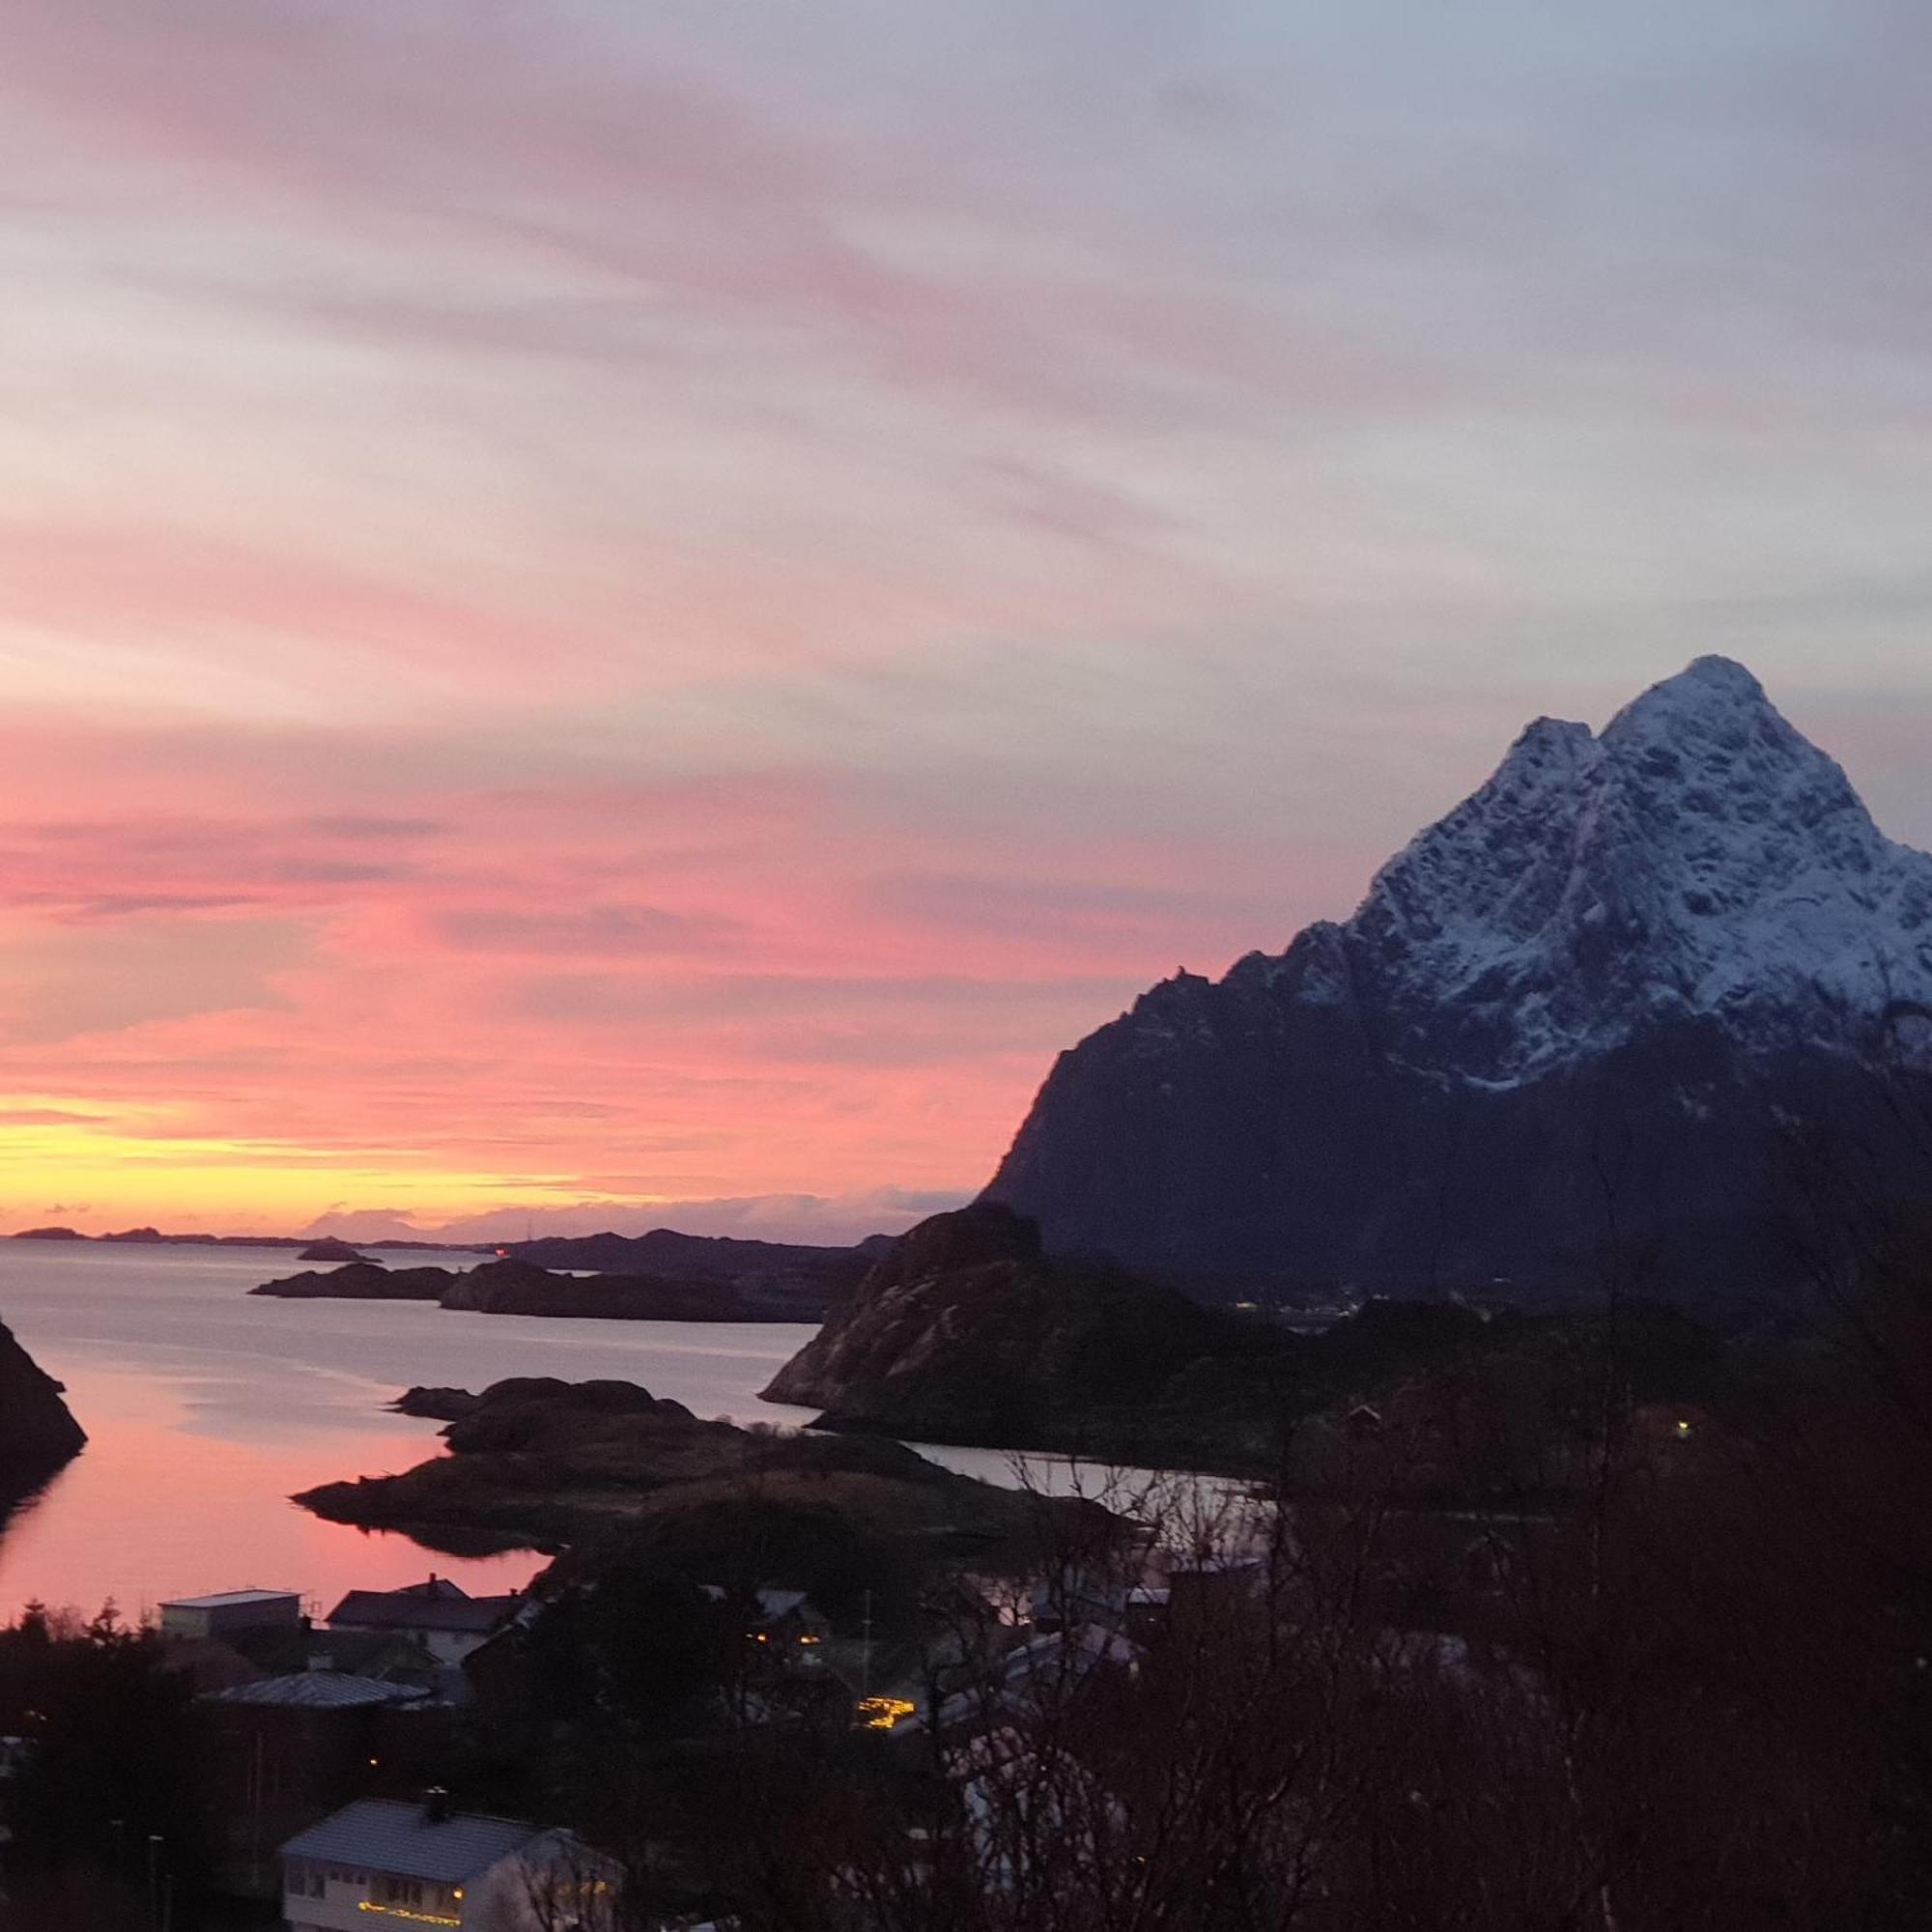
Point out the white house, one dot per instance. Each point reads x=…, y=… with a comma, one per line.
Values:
x=379, y=1862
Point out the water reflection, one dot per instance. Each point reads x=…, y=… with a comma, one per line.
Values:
x=206, y=1408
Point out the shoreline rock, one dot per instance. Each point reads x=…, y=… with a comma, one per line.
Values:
x=38, y=1431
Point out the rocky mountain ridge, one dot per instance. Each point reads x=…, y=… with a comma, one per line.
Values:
x=1578, y=1014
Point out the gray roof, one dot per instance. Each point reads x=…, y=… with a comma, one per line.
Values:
x=320, y=1690
x=226, y=1596
x=435, y=1586
x=402, y=1609
x=382, y=1835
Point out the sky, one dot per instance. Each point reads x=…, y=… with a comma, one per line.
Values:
x=613, y=614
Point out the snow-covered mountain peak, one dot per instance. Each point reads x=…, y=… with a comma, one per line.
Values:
x=1625, y=963
x=1709, y=686
x=1699, y=857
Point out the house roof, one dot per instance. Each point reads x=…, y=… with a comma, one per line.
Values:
x=772, y=1603
x=405, y=1610
x=433, y=1586
x=382, y=1835
x=277, y=1649
x=222, y=1598
x=319, y=1691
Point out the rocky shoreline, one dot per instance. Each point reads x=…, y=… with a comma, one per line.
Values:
x=38, y=1431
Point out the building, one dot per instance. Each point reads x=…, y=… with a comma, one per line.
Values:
x=382, y=1862
x=229, y=1611
x=279, y=1650
x=1035, y=1678
x=286, y=1751
x=440, y=1615
x=786, y=1621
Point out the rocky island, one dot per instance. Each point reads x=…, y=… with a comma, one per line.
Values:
x=363, y=1281
x=329, y=1249
x=669, y=1251
x=537, y=1464
x=515, y=1286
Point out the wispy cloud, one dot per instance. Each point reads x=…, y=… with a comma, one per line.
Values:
x=611, y=605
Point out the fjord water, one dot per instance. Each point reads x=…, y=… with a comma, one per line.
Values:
x=206, y=1407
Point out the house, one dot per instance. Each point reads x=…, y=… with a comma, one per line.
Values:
x=394, y=1657
x=1074, y=1596
x=230, y=1612
x=242, y=1636
x=1034, y=1813
x=380, y=1862
x=785, y=1621
x=440, y=1615
x=285, y=1751
x=280, y=1650
x=1034, y=1678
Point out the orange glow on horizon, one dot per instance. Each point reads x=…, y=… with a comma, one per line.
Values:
x=642, y=614
x=132, y=1178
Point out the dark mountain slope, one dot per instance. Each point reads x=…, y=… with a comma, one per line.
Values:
x=1582, y=1012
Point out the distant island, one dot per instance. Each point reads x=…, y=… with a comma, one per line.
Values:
x=662, y=1276
x=664, y=1252
x=329, y=1249
x=314, y=1249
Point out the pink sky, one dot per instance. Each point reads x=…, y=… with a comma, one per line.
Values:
x=606, y=608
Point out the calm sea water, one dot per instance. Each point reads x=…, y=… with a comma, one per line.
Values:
x=206, y=1407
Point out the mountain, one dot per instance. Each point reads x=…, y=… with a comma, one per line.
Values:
x=1576, y=1017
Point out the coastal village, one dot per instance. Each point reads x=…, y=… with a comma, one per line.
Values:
x=329, y=1736
x=1311, y=1629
